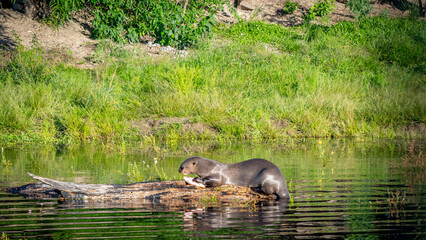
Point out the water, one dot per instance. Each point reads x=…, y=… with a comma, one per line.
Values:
x=340, y=190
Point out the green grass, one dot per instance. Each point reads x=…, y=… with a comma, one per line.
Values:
x=250, y=81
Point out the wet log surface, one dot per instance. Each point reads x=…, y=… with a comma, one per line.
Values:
x=169, y=193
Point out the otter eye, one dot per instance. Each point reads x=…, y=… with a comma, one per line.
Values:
x=194, y=163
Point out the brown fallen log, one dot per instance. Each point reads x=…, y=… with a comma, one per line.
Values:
x=170, y=193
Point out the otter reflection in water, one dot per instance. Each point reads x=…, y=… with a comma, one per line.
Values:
x=270, y=213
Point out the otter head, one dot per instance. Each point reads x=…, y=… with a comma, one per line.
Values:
x=198, y=165
x=189, y=166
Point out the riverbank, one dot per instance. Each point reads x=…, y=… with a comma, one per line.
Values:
x=249, y=81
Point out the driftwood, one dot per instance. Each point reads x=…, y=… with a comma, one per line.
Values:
x=169, y=193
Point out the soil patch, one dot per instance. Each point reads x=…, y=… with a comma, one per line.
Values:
x=153, y=127
x=17, y=27
x=272, y=11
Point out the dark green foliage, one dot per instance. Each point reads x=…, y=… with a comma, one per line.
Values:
x=290, y=7
x=121, y=20
x=61, y=10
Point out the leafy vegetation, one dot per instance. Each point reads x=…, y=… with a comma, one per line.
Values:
x=290, y=7
x=322, y=8
x=176, y=23
x=253, y=81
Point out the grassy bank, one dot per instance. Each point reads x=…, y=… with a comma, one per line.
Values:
x=250, y=81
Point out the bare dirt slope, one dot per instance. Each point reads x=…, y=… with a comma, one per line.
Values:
x=73, y=37
x=271, y=10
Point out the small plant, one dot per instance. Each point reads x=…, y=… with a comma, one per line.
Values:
x=4, y=161
x=360, y=8
x=4, y=236
x=210, y=199
x=396, y=203
x=290, y=7
x=413, y=163
x=322, y=8
x=291, y=189
x=133, y=173
x=255, y=13
x=160, y=172
x=326, y=159
x=252, y=205
x=414, y=157
x=235, y=13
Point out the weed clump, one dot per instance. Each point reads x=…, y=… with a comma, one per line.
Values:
x=414, y=158
x=414, y=164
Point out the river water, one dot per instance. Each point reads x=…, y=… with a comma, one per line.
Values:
x=340, y=190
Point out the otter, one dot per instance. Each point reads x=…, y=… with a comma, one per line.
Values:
x=254, y=173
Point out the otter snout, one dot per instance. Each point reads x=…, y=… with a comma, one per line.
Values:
x=184, y=171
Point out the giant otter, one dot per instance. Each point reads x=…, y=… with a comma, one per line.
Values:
x=254, y=173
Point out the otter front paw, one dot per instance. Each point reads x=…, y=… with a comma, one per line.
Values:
x=190, y=180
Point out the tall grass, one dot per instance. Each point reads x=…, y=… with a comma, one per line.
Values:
x=251, y=81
